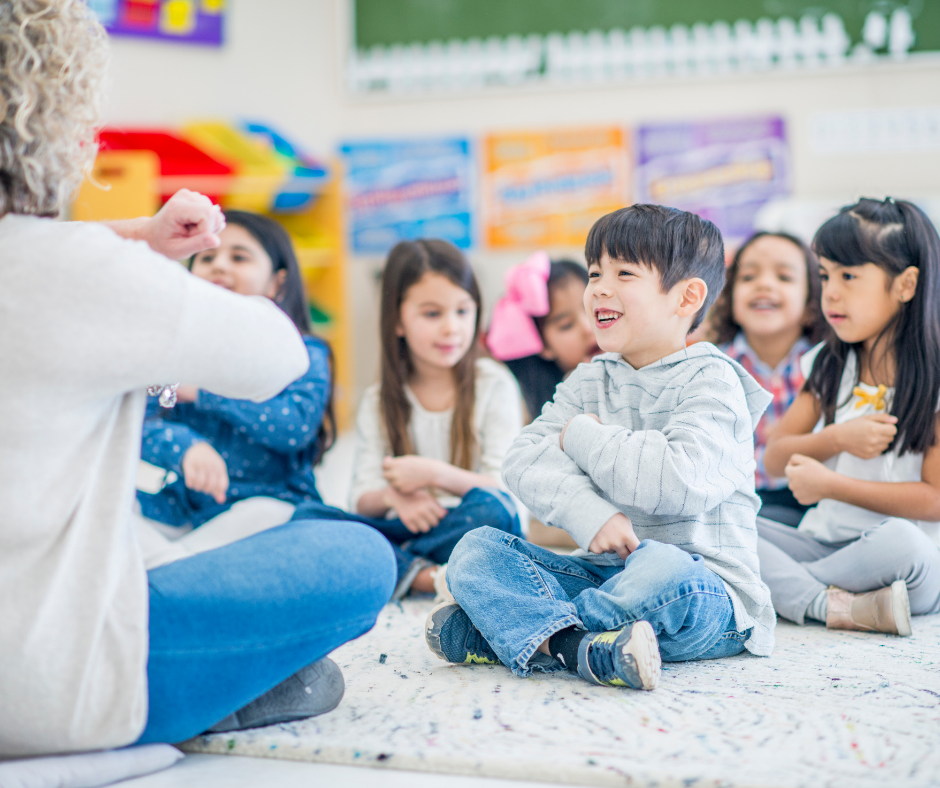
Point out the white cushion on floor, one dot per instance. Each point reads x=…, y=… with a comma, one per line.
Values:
x=89, y=769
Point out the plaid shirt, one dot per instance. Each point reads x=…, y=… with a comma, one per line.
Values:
x=783, y=383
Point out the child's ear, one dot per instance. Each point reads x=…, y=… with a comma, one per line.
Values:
x=905, y=283
x=694, y=293
x=276, y=283
x=547, y=354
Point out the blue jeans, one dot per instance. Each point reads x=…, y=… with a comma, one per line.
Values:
x=518, y=595
x=481, y=506
x=229, y=624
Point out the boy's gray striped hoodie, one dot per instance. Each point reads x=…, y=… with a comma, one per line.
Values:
x=674, y=452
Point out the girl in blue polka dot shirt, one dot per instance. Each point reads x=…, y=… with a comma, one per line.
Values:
x=223, y=450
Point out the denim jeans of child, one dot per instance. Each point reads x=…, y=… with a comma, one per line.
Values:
x=518, y=595
x=481, y=506
x=229, y=624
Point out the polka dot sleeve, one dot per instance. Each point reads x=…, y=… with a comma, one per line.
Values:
x=288, y=422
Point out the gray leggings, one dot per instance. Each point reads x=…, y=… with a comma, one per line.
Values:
x=797, y=566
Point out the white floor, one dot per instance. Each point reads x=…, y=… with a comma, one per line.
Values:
x=228, y=771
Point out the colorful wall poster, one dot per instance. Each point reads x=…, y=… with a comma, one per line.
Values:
x=187, y=21
x=402, y=189
x=546, y=188
x=722, y=170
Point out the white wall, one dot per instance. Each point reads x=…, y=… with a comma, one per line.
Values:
x=283, y=62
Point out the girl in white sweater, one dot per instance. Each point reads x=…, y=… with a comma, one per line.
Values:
x=433, y=433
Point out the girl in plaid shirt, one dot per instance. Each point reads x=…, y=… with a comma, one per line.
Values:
x=766, y=318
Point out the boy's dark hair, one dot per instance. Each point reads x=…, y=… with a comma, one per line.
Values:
x=538, y=377
x=724, y=328
x=892, y=234
x=677, y=244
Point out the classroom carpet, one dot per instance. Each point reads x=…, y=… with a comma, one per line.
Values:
x=828, y=709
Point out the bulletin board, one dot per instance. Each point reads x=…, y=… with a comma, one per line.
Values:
x=724, y=170
x=184, y=21
x=529, y=175
x=387, y=22
x=411, y=188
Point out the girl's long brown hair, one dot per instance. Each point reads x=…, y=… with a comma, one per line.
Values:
x=407, y=263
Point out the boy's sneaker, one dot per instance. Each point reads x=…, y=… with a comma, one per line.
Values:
x=451, y=635
x=623, y=658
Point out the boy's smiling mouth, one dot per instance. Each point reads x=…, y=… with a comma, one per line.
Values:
x=603, y=318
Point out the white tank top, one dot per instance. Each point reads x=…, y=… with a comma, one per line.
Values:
x=835, y=521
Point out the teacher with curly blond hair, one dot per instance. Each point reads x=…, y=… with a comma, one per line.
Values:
x=95, y=652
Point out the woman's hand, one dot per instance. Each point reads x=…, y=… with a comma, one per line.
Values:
x=186, y=393
x=419, y=511
x=810, y=480
x=561, y=438
x=867, y=436
x=616, y=536
x=188, y=224
x=410, y=472
x=205, y=471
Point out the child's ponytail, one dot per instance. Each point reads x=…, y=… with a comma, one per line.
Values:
x=894, y=235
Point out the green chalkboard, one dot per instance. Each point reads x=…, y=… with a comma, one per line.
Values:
x=388, y=22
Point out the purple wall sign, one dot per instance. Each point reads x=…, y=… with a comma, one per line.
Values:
x=722, y=170
x=186, y=21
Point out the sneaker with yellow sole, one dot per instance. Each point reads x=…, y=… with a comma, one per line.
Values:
x=626, y=657
x=451, y=635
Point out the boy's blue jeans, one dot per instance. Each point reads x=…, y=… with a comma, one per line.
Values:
x=229, y=624
x=481, y=506
x=518, y=594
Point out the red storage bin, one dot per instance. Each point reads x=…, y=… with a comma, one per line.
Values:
x=182, y=165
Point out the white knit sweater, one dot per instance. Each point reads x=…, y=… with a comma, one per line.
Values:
x=87, y=321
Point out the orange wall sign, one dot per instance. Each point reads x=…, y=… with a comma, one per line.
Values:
x=546, y=188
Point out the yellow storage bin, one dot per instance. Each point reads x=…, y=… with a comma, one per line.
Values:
x=124, y=184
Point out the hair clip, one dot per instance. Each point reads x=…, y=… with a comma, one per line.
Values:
x=890, y=200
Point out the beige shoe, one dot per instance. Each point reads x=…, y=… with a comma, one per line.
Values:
x=885, y=610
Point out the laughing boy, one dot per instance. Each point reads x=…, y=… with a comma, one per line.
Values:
x=646, y=457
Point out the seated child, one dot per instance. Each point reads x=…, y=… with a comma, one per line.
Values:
x=867, y=555
x=646, y=457
x=766, y=318
x=226, y=451
x=432, y=435
x=539, y=328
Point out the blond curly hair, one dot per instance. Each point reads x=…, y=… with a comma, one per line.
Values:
x=54, y=57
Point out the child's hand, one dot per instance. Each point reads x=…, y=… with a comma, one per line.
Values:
x=809, y=479
x=205, y=471
x=616, y=536
x=409, y=473
x=561, y=438
x=867, y=436
x=419, y=511
x=189, y=223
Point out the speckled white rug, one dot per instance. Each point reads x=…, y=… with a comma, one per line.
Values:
x=829, y=709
